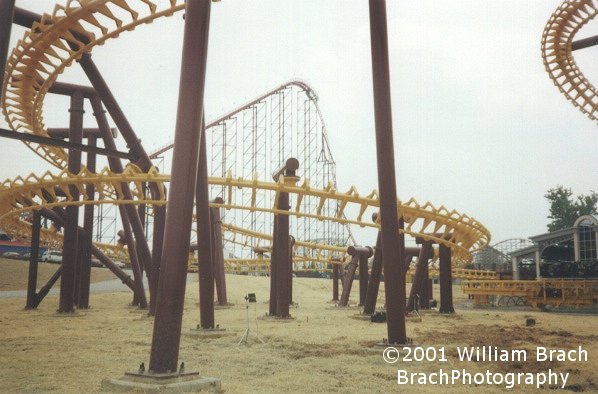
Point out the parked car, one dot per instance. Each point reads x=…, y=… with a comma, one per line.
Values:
x=52, y=256
x=96, y=263
x=11, y=255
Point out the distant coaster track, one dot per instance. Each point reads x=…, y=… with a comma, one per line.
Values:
x=72, y=31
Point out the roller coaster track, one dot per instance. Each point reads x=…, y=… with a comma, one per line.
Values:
x=557, y=40
x=72, y=31
x=557, y=55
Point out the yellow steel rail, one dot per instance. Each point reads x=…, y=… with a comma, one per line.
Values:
x=571, y=292
x=558, y=59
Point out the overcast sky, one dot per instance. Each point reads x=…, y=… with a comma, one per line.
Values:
x=478, y=124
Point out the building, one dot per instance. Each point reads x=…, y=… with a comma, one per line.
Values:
x=570, y=252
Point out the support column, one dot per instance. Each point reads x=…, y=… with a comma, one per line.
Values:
x=218, y=253
x=394, y=280
x=273, y=268
x=33, y=260
x=348, y=281
x=290, y=262
x=515, y=265
x=86, y=242
x=139, y=294
x=363, y=278
x=425, y=289
x=173, y=268
x=283, y=298
x=418, y=282
x=335, y=278
x=204, y=237
x=6, y=14
x=576, y=249
x=69, y=249
x=446, y=282
x=374, y=283
x=538, y=260
x=157, y=244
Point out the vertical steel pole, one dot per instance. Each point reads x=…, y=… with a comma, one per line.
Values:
x=204, y=237
x=282, y=258
x=348, y=282
x=171, y=287
x=371, y=296
x=273, y=268
x=290, y=262
x=33, y=260
x=335, y=278
x=69, y=249
x=139, y=294
x=6, y=14
x=218, y=254
x=363, y=278
x=157, y=243
x=392, y=247
x=417, y=282
x=446, y=282
x=85, y=270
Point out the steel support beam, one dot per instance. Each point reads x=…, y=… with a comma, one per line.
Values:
x=218, y=253
x=371, y=297
x=417, y=283
x=282, y=258
x=392, y=241
x=204, y=237
x=445, y=279
x=273, y=268
x=86, y=242
x=69, y=249
x=65, y=144
x=6, y=19
x=33, y=260
x=335, y=278
x=173, y=271
x=348, y=280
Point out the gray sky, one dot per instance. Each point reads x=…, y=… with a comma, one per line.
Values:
x=479, y=126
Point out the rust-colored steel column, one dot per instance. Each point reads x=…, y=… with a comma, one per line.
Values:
x=335, y=277
x=45, y=289
x=33, y=260
x=204, y=237
x=139, y=294
x=273, y=268
x=282, y=258
x=348, y=282
x=173, y=268
x=417, y=282
x=85, y=244
x=69, y=249
x=430, y=288
x=363, y=278
x=371, y=296
x=290, y=259
x=6, y=14
x=218, y=253
x=157, y=243
x=445, y=279
x=394, y=281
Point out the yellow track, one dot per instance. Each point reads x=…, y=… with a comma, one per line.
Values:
x=559, y=292
x=44, y=53
x=557, y=38
x=558, y=59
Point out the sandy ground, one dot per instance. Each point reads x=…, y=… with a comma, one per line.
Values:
x=323, y=349
x=13, y=274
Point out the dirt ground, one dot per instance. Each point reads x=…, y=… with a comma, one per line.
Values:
x=13, y=274
x=322, y=349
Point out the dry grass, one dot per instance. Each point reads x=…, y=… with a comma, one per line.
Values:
x=14, y=274
x=322, y=350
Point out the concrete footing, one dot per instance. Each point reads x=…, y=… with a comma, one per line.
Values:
x=162, y=383
x=208, y=332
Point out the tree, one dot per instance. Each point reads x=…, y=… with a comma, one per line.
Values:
x=564, y=210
